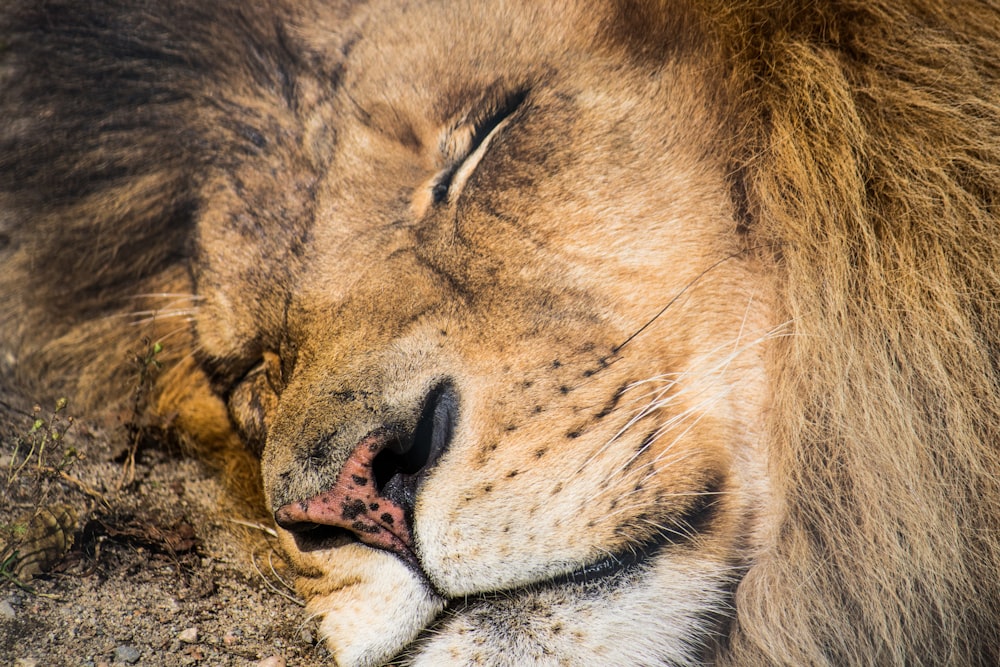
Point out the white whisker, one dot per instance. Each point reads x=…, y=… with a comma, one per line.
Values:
x=184, y=317
x=173, y=332
x=158, y=313
x=702, y=388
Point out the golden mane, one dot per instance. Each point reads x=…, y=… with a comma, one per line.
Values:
x=871, y=168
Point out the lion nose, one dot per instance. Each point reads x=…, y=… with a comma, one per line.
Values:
x=375, y=491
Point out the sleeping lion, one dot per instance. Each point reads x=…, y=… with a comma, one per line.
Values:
x=569, y=333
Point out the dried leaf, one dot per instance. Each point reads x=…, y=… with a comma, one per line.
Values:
x=46, y=541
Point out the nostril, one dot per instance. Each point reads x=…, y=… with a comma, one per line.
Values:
x=374, y=493
x=399, y=467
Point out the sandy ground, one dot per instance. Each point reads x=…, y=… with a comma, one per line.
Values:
x=147, y=572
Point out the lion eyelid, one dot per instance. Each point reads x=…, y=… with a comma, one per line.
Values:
x=466, y=167
x=466, y=145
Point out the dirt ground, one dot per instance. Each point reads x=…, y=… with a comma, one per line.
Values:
x=103, y=564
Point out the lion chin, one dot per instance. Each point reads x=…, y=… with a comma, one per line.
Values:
x=618, y=332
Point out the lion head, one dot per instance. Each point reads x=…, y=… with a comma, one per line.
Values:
x=636, y=333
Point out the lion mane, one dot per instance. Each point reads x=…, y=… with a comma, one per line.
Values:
x=871, y=165
x=865, y=168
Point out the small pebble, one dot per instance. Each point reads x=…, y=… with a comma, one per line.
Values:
x=188, y=636
x=170, y=604
x=194, y=653
x=127, y=654
x=31, y=662
x=232, y=636
x=307, y=636
x=7, y=610
x=272, y=661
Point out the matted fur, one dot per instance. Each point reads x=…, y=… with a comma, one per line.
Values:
x=861, y=142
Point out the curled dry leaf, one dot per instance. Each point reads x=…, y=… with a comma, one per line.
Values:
x=40, y=546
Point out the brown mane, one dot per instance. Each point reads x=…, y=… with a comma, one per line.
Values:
x=871, y=161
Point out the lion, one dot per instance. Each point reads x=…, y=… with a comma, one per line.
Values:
x=624, y=332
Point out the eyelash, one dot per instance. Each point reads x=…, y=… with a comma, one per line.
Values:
x=483, y=125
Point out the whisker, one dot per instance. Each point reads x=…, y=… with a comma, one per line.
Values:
x=664, y=396
x=638, y=415
x=173, y=332
x=682, y=292
x=256, y=526
x=640, y=507
x=156, y=318
x=274, y=571
x=159, y=312
x=150, y=315
x=658, y=403
x=272, y=587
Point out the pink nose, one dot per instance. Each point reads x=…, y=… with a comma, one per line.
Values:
x=374, y=493
x=355, y=503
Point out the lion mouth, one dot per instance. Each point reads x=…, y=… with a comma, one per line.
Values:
x=696, y=520
x=676, y=530
x=611, y=566
x=620, y=565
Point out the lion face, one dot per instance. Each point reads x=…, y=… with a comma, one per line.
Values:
x=562, y=333
x=507, y=373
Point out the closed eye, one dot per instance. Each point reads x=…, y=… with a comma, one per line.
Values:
x=466, y=145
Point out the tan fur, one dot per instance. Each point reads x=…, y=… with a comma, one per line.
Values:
x=722, y=278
